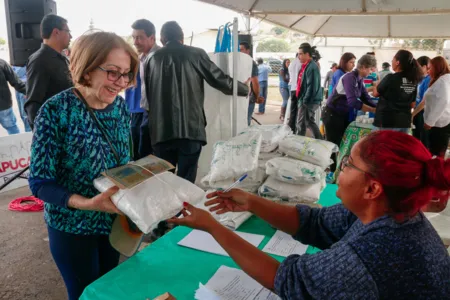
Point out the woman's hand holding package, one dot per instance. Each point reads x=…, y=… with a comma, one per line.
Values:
x=102, y=202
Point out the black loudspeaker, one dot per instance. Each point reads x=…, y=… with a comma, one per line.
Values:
x=247, y=38
x=23, y=19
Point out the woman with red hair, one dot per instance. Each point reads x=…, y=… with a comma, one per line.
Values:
x=377, y=244
x=437, y=106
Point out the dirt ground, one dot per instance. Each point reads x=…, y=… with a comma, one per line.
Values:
x=27, y=270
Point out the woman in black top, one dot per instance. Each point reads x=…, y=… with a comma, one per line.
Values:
x=398, y=93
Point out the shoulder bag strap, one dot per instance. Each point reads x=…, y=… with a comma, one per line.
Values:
x=99, y=125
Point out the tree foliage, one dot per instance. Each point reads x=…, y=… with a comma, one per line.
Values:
x=273, y=45
x=2, y=41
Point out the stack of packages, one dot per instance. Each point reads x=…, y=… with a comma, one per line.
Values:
x=247, y=153
x=299, y=177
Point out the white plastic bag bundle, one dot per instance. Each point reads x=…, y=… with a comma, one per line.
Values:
x=250, y=184
x=274, y=188
x=271, y=135
x=294, y=171
x=154, y=200
x=264, y=157
x=317, y=152
x=235, y=157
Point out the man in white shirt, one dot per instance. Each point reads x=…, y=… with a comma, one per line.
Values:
x=145, y=43
x=291, y=112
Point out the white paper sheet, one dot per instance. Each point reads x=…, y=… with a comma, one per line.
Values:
x=282, y=244
x=203, y=241
x=233, y=284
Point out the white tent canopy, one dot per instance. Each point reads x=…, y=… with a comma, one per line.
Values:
x=351, y=18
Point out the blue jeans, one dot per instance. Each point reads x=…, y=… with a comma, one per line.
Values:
x=285, y=94
x=251, y=108
x=81, y=259
x=23, y=115
x=8, y=121
x=263, y=93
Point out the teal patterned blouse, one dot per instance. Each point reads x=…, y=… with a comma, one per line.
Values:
x=68, y=152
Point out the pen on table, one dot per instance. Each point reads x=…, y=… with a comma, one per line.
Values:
x=232, y=186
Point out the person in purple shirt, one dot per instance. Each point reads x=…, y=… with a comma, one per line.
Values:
x=349, y=94
x=377, y=244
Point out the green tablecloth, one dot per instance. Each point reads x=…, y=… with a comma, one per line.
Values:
x=166, y=267
x=352, y=134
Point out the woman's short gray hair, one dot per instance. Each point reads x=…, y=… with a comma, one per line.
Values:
x=367, y=61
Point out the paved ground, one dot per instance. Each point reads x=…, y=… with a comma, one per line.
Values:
x=27, y=270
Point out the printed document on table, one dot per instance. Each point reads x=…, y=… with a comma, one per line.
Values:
x=282, y=244
x=233, y=284
x=203, y=241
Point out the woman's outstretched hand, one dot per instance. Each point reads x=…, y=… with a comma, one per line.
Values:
x=233, y=201
x=195, y=218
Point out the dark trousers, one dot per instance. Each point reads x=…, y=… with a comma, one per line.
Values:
x=335, y=126
x=183, y=154
x=419, y=132
x=306, y=118
x=136, y=122
x=145, y=143
x=81, y=259
x=294, y=110
x=439, y=138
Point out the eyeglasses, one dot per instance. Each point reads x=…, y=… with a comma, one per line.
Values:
x=114, y=75
x=346, y=163
x=66, y=30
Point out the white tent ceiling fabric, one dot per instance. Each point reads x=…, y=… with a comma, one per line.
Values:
x=351, y=18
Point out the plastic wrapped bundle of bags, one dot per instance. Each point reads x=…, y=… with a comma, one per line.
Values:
x=317, y=152
x=234, y=158
x=246, y=153
x=271, y=135
x=155, y=199
x=300, y=177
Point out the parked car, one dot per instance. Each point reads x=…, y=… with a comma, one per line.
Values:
x=276, y=64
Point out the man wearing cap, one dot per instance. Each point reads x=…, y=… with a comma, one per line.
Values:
x=385, y=71
x=328, y=78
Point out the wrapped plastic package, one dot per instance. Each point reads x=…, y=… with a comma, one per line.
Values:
x=264, y=157
x=294, y=171
x=276, y=189
x=154, y=200
x=232, y=220
x=317, y=152
x=251, y=184
x=235, y=157
x=271, y=135
x=218, y=106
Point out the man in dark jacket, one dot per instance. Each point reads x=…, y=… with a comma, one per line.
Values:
x=47, y=69
x=174, y=84
x=7, y=117
x=309, y=92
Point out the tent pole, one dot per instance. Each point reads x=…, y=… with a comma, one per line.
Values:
x=235, y=81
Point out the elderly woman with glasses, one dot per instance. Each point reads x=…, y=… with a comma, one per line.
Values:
x=80, y=133
x=377, y=244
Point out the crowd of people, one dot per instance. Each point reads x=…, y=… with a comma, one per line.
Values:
x=377, y=243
